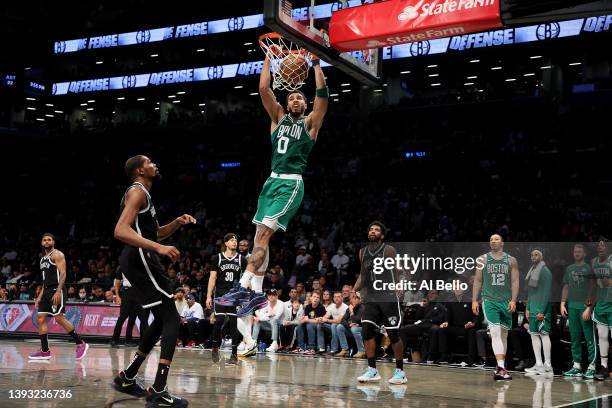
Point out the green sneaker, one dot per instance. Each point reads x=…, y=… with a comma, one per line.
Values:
x=589, y=374
x=573, y=372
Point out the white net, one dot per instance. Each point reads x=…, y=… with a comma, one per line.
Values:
x=289, y=62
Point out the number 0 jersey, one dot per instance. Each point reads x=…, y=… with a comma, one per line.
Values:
x=291, y=146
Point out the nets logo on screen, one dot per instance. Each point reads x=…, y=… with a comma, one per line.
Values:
x=215, y=72
x=420, y=48
x=548, y=31
x=143, y=36
x=128, y=81
x=235, y=23
x=60, y=47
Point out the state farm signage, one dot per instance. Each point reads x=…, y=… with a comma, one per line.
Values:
x=396, y=22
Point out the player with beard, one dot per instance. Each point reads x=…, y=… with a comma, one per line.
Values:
x=381, y=306
x=139, y=229
x=293, y=135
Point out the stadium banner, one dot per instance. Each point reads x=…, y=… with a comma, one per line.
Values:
x=398, y=22
x=196, y=29
x=518, y=35
x=87, y=319
x=448, y=269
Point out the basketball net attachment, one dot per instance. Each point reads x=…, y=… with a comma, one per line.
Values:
x=289, y=62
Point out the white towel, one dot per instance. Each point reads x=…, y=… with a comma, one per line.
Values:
x=533, y=276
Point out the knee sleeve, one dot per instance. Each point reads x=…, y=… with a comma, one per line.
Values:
x=393, y=335
x=368, y=331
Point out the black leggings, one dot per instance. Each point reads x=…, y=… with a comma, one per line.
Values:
x=165, y=325
x=225, y=324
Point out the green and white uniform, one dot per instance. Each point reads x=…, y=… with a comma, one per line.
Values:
x=578, y=278
x=539, y=302
x=497, y=290
x=602, y=314
x=283, y=191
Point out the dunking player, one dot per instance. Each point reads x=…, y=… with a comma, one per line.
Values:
x=381, y=307
x=602, y=314
x=50, y=300
x=139, y=229
x=226, y=268
x=497, y=275
x=293, y=136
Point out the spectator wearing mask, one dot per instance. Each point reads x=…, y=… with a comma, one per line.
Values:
x=312, y=325
x=191, y=323
x=270, y=316
x=333, y=324
x=83, y=296
x=294, y=311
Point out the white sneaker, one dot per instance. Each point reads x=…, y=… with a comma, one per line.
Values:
x=249, y=350
x=536, y=369
x=241, y=346
x=545, y=369
x=273, y=347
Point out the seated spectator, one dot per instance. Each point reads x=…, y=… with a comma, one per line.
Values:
x=312, y=325
x=316, y=286
x=72, y=294
x=294, y=311
x=293, y=296
x=108, y=296
x=3, y=295
x=174, y=281
x=15, y=278
x=304, y=262
x=98, y=295
x=323, y=284
x=432, y=314
x=192, y=320
x=12, y=292
x=340, y=262
x=327, y=298
x=179, y=300
x=351, y=323
x=301, y=291
x=325, y=268
x=307, y=298
x=83, y=297
x=276, y=282
x=459, y=321
x=270, y=316
x=346, y=294
x=333, y=323
x=5, y=268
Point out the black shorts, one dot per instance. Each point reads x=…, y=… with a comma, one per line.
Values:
x=383, y=314
x=46, y=302
x=146, y=275
x=220, y=310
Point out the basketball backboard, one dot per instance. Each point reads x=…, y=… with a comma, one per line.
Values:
x=303, y=26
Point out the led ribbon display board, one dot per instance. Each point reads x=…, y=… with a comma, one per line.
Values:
x=518, y=35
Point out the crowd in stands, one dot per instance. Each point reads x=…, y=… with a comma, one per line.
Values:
x=530, y=177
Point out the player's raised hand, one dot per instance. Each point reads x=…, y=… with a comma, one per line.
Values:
x=186, y=219
x=169, y=251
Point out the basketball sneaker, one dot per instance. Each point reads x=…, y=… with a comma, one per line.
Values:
x=132, y=386
x=399, y=377
x=164, y=399
x=573, y=372
x=370, y=374
x=589, y=374
x=232, y=361
x=249, y=350
x=257, y=301
x=273, y=347
x=236, y=294
x=535, y=369
x=501, y=374
x=81, y=350
x=40, y=355
x=602, y=374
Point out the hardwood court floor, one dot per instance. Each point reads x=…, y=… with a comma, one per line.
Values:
x=275, y=380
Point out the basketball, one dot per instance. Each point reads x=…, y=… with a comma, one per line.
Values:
x=294, y=69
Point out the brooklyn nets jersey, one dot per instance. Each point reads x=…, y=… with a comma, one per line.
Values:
x=375, y=276
x=228, y=271
x=48, y=269
x=146, y=223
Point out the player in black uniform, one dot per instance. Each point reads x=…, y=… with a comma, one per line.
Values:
x=51, y=298
x=225, y=271
x=130, y=309
x=381, y=307
x=140, y=262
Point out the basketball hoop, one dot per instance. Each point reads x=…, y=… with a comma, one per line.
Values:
x=289, y=61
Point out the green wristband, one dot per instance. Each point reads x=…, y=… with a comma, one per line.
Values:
x=322, y=92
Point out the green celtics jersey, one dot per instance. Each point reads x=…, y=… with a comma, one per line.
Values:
x=291, y=145
x=539, y=296
x=496, y=278
x=577, y=278
x=602, y=271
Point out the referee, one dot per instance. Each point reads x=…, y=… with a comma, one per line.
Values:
x=130, y=309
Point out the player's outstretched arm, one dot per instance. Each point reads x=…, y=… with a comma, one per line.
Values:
x=274, y=109
x=134, y=201
x=169, y=229
x=319, y=109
